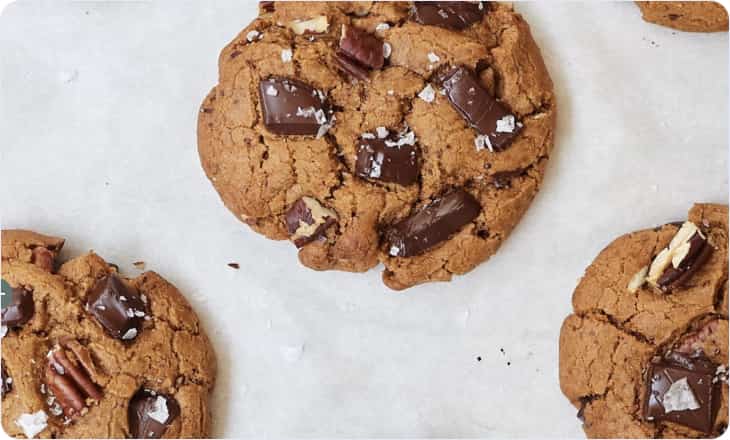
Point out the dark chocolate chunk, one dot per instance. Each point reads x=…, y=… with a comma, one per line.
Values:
x=292, y=107
x=361, y=47
x=683, y=390
x=450, y=15
x=350, y=67
x=503, y=179
x=307, y=220
x=117, y=307
x=150, y=413
x=390, y=159
x=494, y=123
x=432, y=224
x=7, y=385
x=17, y=305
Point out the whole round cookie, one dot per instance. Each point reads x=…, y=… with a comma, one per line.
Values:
x=87, y=353
x=686, y=16
x=409, y=134
x=645, y=352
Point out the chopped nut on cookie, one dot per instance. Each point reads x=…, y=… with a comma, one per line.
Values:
x=307, y=220
x=676, y=263
x=316, y=25
x=68, y=381
x=44, y=258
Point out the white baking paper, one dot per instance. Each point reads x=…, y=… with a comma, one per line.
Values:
x=99, y=104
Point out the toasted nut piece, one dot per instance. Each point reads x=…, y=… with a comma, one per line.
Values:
x=687, y=251
x=67, y=376
x=316, y=25
x=638, y=279
x=44, y=259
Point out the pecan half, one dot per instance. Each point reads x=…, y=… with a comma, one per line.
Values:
x=44, y=259
x=68, y=377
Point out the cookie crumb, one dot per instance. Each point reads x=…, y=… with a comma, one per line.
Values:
x=234, y=265
x=139, y=265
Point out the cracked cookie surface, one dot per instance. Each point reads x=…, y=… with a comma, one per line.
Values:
x=66, y=376
x=686, y=16
x=261, y=175
x=613, y=334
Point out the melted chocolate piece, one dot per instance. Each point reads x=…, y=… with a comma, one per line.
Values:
x=150, y=413
x=483, y=113
x=307, y=220
x=117, y=307
x=17, y=305
x=387, y=160
x=450, y=15
x=432, y=224
x=698, y=403
x=7, y=385
x=361, y=47
x=292, y=107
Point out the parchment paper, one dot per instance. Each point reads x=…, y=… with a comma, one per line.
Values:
x=97, y=135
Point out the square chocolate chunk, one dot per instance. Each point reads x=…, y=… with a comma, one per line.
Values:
x=682, y=390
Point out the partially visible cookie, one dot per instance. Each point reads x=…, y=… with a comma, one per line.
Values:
x=87, y=353
x=686, y=16
x=645, y=352
x=412, y=134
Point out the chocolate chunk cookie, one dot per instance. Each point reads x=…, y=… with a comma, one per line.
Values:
x=413, y=134
x=87, y=353
x=645, y=352
x=686, y=16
